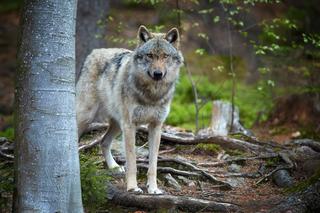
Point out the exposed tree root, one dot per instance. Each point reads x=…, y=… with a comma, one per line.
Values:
x=197, y=172
x=305, y=201
x=239, y=159
x=245, y=175
x=226, y=142
x=289, y=165
x=161, y=152
x=152, y=202
x=307, y=142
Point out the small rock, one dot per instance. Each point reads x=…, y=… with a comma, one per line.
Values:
x=172, y=182
x=282, y=178
x=234, y=168
x=235, y=181
x=186, y=181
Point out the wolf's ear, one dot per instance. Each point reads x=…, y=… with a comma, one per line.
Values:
x=143, y=34
x=173, y=37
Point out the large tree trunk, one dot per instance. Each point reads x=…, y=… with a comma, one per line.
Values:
x=46, y=156
x=91, y=29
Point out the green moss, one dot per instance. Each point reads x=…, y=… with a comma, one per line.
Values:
x=235, y=152
x=272, y=161
x=209, y=148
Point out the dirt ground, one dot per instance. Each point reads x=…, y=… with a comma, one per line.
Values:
x=245, y=192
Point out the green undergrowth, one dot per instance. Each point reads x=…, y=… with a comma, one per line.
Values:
x=94, y=178
x=8, y=133
x=248, y=99
x=6, y=186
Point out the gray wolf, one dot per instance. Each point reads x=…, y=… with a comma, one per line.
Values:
x=130, y=88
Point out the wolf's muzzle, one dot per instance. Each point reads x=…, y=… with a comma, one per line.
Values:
x=157, y=75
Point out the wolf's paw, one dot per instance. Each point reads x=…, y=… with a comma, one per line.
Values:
x=155, y=191
x=135, y=190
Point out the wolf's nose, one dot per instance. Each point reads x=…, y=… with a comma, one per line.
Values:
x=157, y=75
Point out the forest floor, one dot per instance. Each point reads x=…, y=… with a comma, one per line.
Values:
x=247, y=190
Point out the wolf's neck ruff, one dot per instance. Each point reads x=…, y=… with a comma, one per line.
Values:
x=148, y=94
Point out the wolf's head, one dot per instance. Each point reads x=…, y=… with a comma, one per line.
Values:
x=157, y=57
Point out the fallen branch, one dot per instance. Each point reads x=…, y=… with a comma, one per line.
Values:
x=268, y=175
x=152, y=202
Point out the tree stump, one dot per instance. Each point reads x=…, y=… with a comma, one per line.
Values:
x=222, y=117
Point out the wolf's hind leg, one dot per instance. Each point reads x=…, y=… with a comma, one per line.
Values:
x=112, y=132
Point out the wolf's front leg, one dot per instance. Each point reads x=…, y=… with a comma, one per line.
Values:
x=154, y=143
x=129, y=133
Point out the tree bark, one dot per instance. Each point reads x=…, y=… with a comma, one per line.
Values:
x=46, y=152
x=91, y=29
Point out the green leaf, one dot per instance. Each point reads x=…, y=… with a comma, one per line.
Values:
x=216, y=19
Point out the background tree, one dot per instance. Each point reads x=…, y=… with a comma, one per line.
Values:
x=91, y=28
x=46, y=154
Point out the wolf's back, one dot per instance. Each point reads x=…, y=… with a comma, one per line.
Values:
x=99, y=61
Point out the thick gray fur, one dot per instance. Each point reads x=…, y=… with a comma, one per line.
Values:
x=129, y=88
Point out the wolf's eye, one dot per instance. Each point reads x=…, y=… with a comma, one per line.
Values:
x=150, y=56
x=165, y=56
x=139, y=56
